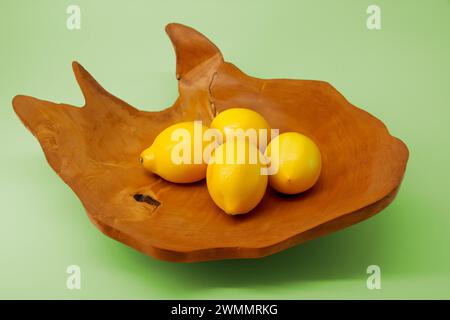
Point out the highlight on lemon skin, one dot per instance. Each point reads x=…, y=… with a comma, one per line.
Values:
x=298, y=161
x=183, y=140
x=233, y=120
x=236, y=186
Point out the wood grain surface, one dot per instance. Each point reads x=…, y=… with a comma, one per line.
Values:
x=95, y=150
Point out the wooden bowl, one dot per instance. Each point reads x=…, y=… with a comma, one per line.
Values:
x=95, y=150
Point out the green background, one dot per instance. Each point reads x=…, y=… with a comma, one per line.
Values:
x=400, y=73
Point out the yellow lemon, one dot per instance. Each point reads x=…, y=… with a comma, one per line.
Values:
x=177, y=153
x=234, y=177
x=229, y=121
x=298, y=161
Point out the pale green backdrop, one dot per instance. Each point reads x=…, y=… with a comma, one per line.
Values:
x=400, y=73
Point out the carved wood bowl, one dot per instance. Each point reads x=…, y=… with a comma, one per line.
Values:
x=95, y=150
